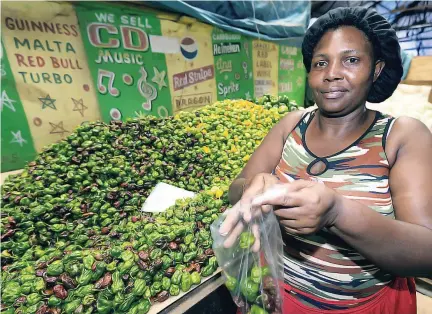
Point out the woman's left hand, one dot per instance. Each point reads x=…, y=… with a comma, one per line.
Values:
x=305, y=207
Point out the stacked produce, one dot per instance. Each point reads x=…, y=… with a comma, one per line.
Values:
x=281, y=103
x=73, y=237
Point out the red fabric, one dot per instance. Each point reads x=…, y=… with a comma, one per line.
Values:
x=399, y=297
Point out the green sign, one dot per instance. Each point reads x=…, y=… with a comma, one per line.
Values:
x=292, y=74
x=130, y=78
x=16, y=141
x=233, y=65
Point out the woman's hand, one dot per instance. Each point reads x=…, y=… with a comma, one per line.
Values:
x=242, y=212
x=307, y=206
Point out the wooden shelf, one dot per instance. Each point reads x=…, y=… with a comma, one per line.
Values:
x=420, y=71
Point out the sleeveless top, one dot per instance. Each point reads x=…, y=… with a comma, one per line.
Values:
x=323, y=264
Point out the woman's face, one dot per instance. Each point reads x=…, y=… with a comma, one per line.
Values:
x=342, y=71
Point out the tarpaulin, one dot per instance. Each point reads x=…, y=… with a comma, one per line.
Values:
x=268, y=20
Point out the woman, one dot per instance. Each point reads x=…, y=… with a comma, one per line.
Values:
x=351, y=187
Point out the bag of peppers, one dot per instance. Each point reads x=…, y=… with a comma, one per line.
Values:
x=253, y=277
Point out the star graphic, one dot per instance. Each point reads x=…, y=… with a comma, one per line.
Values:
x=17, y=138
x=226, y=77
x=299, y=81
x=248, y=96
x=79, y=106
x=48, y=102
x=58, y=128
x=159, y=78
x=6, y=101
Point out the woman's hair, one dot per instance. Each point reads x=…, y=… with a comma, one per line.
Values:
x=380, y=34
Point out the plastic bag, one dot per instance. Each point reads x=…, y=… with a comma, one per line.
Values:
x=254, y=279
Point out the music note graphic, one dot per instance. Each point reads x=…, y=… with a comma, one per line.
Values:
x=102, y=88
x=147, y=90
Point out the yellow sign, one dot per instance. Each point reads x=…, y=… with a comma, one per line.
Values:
x=44, y=46
x=265, y=64
x=189, y=58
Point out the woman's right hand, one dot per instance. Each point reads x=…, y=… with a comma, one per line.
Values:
x=242, y=212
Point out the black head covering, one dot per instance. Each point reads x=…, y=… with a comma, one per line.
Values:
x=380, y=33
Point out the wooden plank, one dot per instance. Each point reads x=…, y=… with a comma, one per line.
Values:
x=4, y=175
x=420, y=71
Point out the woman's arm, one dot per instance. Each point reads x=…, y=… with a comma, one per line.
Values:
x=402, y=246
x=266, y=156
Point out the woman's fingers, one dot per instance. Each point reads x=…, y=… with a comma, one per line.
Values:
x=281, y=195
x=233, y=236
x=232, y=218
x=257, y=244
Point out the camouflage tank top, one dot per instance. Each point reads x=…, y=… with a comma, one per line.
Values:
x=323, y=264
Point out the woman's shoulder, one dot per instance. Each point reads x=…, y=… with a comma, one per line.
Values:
x=407, y=133
x=289, y=122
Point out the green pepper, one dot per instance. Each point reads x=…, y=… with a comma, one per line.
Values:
x=265, y=271
x=255, y=309
x=116, y=251
x=12, y=291
x=179, y=257
x=119, y=298
x=207, y=271
x=74, y=256
x=33, y=308
x=81, y=292
x=139, y=287
x=55, y=268
x=54, y=301
x=166, y=283
x=155, y=288
x=186, y=282
x=189, y=256
x=231, y=283
x=73, y=268
x=144, y=306
x=158, y=276
x=70, y=307
x=126, y=304
x=33, y=298
x=166, y=262
x=256, y=275
x=28, y=287
x=99, y=271
x=176, y=277
x=85, y=277
x=88, y=261
x=104, y=302
x=188, y=239
x=249, y=289
x=247, y=239
x=88, y=300
x=127, y=255
x=174, y=290
x=134, y=271
x=155, y=254
x=117, y=282
x=124, y=267
x=10, y=310
x=213, y=262
x=112, y=266
x=25, y=278
x=39, y=284
x=196, y=278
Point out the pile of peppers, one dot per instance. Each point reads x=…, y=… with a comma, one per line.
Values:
x=73, y=237
x=257, y=290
